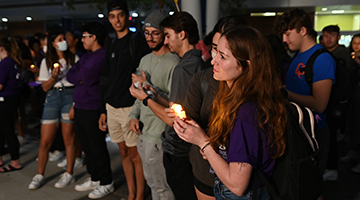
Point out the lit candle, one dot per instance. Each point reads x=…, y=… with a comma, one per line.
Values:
x=56, y=65
x=177, y=108
x=32, y=66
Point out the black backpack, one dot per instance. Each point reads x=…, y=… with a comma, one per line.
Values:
x=342, y=89
x=296, y=174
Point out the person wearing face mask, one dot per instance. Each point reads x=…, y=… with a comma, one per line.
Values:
x=53, y=69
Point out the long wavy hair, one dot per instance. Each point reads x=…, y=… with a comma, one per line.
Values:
x=258, y=83
x=51, y=54
x=12, y=48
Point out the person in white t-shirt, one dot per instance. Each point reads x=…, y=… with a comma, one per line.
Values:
x=58, y=104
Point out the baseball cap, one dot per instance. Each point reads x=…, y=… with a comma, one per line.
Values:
x=117, y=5
x=155, y=18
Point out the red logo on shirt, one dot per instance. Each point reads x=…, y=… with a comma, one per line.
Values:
x=298, y=70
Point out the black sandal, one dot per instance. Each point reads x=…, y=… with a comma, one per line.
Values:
x=11, y=168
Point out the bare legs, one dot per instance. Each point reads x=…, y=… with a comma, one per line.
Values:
x=133, y=171
x=48, y=132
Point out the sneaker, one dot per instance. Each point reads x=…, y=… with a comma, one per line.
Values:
x=356, y=169
x=22, y=140
x=78, y=163
x=101, y=191
x=55, y=156
x=351, y=156
x=330, y=175
x=62, y=163
x=37, y=181
x=88, y=184
x=65, y=179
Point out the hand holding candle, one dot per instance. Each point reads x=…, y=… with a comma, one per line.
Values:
x=56, y=70
x=177, y=108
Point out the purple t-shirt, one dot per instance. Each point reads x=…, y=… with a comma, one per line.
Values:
x=9, y=77
x=248, y=142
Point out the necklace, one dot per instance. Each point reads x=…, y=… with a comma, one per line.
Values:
x=157, y=62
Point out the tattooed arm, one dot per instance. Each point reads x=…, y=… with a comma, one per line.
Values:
x=234, y=175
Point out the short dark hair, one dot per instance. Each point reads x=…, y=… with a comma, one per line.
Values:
x=97, y=29
x=183, y=21
x=331, y=28
x=293, y=19
x=228, y=22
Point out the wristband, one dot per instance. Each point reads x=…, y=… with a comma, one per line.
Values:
x=203, y=149
x=146, y=100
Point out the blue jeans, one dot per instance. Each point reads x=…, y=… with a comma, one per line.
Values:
x=223, y=193
x=58, y=103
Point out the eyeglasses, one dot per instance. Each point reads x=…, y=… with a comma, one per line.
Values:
x=84, y=35
x=154, y=35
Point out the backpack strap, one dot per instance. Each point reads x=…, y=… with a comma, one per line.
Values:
x=259, y=175
x=204, y=84
x=132, y=46
x=309, y=73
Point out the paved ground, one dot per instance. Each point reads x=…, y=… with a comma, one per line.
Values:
x=14, y=185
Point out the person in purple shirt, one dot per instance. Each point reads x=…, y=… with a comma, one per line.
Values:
x=85, y=75
x=246, y=128
x=10, y=92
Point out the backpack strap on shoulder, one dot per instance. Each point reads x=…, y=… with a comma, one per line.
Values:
x=309, y=72
x=133, y=45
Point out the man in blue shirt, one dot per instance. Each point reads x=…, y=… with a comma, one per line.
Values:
x=296, y=29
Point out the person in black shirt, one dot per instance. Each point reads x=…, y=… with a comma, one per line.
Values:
x=122, y=59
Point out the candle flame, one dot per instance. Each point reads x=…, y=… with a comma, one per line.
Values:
x=32, y=66
x=177, y=108
x=56, y=65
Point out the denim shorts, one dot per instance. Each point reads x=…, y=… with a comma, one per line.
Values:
x=223, y=193
x=58, y=103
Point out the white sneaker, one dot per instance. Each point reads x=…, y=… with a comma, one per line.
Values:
x=88, y=184
x=330, y=175
x=37, y=181
x=55, y=156
x=62, y=163
x=22, y=140
x=356, y=169
x=65, y=179
x=78, y=163
x=101, y=191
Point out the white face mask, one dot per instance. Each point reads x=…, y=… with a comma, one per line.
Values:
x=62, y=46
x=213, y=54
x=45, y=48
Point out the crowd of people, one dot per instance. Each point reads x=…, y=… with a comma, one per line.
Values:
x=234, y=105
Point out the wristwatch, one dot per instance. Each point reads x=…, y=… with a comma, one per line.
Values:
x=146, y=100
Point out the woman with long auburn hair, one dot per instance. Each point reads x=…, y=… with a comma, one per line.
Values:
x=246, y=129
